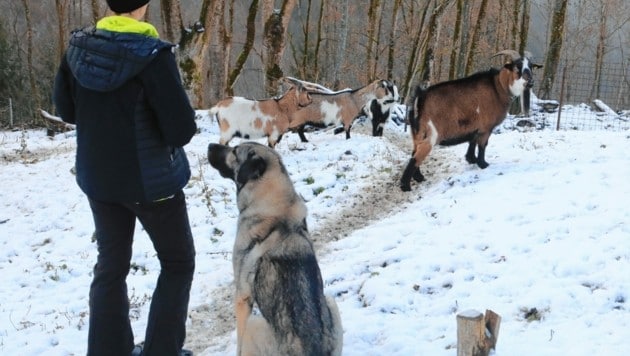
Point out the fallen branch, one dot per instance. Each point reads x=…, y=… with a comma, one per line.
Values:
x=56, y=120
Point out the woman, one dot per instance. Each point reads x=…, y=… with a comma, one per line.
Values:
x=120, y=85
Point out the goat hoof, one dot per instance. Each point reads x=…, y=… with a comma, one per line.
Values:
x=471, y=159
x=482, y=164
x=417, y=176
x=405, y=187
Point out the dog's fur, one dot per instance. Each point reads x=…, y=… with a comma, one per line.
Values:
x=274, y=262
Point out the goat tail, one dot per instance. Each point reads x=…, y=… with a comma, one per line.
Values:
x=415, y=113
x=214, y=111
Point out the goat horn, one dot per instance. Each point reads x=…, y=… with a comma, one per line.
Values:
x=508, y=52
x=529, y=56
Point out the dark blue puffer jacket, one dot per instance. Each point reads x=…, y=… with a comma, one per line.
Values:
x=124, y=93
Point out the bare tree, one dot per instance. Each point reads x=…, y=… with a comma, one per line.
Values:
x=554, y=48
x=60, y=7
x=476, y=37
x=524, y=31
x=96, y=11
x=416, y=45
x=463, y=6
x=172, y=23
x=343, y=39
x=235, y=72
x=204, y=54
x=392, y=39
x=374, y=16
x=275, y=41
x=29, y=53
x=428, y=47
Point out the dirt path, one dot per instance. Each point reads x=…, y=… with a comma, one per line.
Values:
x=213, y=323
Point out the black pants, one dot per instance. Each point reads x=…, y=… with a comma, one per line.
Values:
x=167, y=224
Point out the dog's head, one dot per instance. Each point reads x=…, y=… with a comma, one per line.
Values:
x=244, y=163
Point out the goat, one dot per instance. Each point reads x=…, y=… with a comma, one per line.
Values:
x=464, y=110
x=252, y=119
x=342, y=107
x=378, y=111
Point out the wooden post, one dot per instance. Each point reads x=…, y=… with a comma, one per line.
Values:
x=564, y=77
x=10, y=113
x=477, y=334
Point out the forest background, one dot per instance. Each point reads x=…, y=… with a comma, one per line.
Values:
x=229, y=47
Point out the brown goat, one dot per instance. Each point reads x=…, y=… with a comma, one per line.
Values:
x=252, y=119
x=464, y=110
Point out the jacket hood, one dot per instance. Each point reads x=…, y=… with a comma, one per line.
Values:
x=103, y=60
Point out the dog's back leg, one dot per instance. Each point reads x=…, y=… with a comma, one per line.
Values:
x=258, y=339
x=336, y=336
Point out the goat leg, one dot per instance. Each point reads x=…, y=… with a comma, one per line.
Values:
x=481, y=159
x=470, y=153
x=482, y=142
x=300, y=131
x=410, y=170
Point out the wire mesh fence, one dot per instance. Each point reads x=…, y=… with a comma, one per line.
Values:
x=593, y=100
x=6, y=112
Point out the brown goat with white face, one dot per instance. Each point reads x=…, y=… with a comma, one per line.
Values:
x=464, y=110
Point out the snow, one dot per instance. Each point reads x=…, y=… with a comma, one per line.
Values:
x=540, y=237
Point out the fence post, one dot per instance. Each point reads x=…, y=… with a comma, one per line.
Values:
x=10, y=113
x=564, y=76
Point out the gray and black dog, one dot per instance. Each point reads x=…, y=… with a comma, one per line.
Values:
x=274, y=262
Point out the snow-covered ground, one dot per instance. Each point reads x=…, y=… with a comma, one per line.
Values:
x=541, y=237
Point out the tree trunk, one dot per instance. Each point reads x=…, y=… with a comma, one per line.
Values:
x=29, y=54
x=96, y=11
x=523, y=33
x=456, y=37
x=463, y=42
x=392, y=40
x=600, y=52
x=413, y=59
x=428, y=49
x=204, y=56
x=341, y=46
x=481, y=19
x=170, y=11
x=515, y=25
x=235, y=72
x=554, y=48
x=274, y=40
x=374, y=14
x=318, y=41
x=60, y=7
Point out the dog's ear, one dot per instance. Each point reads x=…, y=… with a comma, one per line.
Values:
x=252, y=168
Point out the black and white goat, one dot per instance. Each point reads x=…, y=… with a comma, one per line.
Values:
x=342, y=107
x=378, y=111
x=251, y=119
x=464, y=110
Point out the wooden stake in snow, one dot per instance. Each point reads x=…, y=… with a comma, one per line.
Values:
x=477, y=334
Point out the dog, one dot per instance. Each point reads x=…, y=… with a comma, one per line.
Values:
x=274, y=262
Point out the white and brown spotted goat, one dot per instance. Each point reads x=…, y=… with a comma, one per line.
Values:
x=342, y=107
x=464, y=110
x=252, y=119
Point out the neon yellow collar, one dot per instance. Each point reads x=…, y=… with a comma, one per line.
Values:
x=127, y=25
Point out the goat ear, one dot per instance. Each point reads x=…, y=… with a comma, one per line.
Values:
x=253, y=168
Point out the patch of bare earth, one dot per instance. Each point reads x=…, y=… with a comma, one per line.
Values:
x=212, y=324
